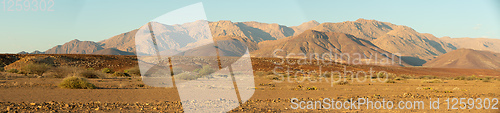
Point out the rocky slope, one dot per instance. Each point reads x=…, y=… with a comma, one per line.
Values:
x=312, y=42
x=122, y=42
x=75, y=47
x=408, y=42
x=485, y=44
x=361, y=28
x=112, y=51
x=255, y=31
x=467, y=58
x=304, y=26
x=416, y=48
x=115, y=62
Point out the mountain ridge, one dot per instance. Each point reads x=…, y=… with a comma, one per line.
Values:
x=312, y=42
x=415, y=48
x=75, y=47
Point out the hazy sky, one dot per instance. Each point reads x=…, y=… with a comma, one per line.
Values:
x=96, y=20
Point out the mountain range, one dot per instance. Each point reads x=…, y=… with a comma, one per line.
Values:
x=369, y=37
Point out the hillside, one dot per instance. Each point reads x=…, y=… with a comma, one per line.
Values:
x=311, y=42
x=122, y=42
x=75, y=47
x=484, y=44
x=112, y=51
x=408, y=42
x=466, y=58
x=361, y=28
x=304, y=26
x=255, y=31
x=115, y=62
x=416, y=48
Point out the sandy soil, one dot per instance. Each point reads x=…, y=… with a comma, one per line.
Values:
x=25, y=93
x=31, y=93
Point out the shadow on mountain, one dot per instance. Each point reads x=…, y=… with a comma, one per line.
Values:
x=254, y=33
x=414, y=61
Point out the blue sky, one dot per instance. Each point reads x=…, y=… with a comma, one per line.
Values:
x=96, y=20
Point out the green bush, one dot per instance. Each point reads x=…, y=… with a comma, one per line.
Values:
x=38, y=69
x=107, y=70
x=76, y=83
x=133, y=71
x=120, y=74
x=89, y=74
x=2, y=69
x=13, y=71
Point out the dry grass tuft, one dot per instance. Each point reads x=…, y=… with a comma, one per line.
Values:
x=342, y=83
x=433, y=81
x=74, y=82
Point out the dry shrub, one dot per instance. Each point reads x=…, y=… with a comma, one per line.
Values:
x=342, y=83
x=381, y=75
x=107, y=70
x=433, y=81
x=63, y=71
x=486, y=79
x=205, y=70
x=74, y=82
x=22, y=72
x=273, y=77
x=120, y=74
x=134, y=71
x=473, y=77
x=428, y=77
x=459, y=78
x=90, y=74
x=404, y=76
x=262, y=73
x=390, y=81
x=186, y=76
x=399, y=78
x=13, y=71
x=35, y=68
x=312, y=88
